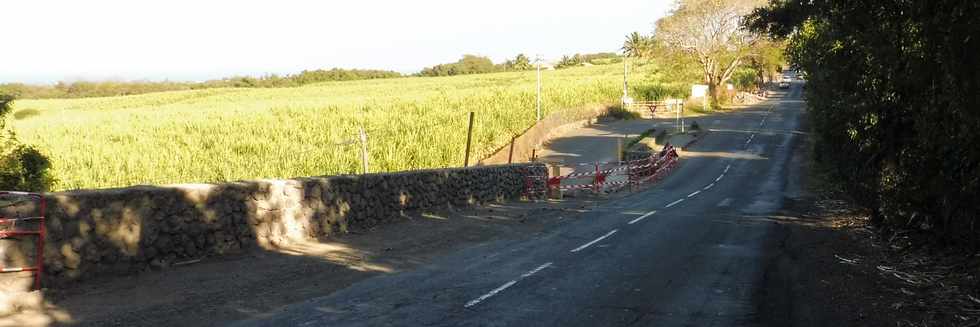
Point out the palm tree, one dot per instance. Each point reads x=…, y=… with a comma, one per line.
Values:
x=636, y=45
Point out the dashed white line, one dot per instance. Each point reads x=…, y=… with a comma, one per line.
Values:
x=674, y=203
x=505, y=286
x=489, y=294
x=708, y=187
x=693, y=194
x=580, y=248
x=719, y=178
x=648, y=214
x=535, y=270
x=729, y=166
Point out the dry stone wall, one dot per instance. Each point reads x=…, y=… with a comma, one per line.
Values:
x=127, y=230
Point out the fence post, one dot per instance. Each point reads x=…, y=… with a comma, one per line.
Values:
x=362, y=136
x=510, y=155
x=469, y=137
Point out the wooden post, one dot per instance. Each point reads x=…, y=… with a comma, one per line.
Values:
x=510, y=156
x=533, y=156
x=469, y=137
x=362, y=135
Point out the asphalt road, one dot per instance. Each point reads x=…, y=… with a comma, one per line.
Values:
x=690, y=251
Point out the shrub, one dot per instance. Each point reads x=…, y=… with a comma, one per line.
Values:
x=22, y=167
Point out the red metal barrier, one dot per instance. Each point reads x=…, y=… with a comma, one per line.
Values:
x=637, y=171
x=13, y=231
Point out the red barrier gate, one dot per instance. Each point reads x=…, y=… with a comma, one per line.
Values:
x=636, y=171
x=10, y=229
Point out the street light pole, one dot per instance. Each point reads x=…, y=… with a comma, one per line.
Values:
x=626, y=73
x=537, y=59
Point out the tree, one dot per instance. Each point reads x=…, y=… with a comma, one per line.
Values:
x=521, y=62
x=637, y=46
x=469, y=64
x=711, y=32
x=892, y=92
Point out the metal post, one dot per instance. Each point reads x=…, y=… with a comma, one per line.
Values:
x=595, y=181
x=625, y=76
x=680, y=110
x=629, y=175
x=619, y=149
x=677, y=120
x=538, y=60
x=469, y=137
x=510, y=155
x=362, y=135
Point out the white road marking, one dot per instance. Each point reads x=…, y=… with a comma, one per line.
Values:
x=535, y=270
x=674, y=203
x=719, y=177
x=491, y=293
x=725, y=202
x=594, y=241
x=505, y=286
x=693, y=194
x=648, y=214
x=709, y=186
x=727, y=168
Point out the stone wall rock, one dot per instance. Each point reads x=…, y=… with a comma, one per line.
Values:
x=129, y=230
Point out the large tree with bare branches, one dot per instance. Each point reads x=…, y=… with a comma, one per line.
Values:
x=711, y=32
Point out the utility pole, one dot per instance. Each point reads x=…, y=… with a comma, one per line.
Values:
x=537, y=59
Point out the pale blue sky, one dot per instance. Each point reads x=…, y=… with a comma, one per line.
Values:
x=50, y=40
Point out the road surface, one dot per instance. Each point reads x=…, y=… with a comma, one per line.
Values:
x=690, y=251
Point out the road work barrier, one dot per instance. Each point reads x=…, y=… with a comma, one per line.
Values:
x=107, y=232
x=601, y=176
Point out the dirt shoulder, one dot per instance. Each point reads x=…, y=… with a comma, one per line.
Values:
x=249, y=284
x=833, y=269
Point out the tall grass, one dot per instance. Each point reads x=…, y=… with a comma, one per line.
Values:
x=231, y=134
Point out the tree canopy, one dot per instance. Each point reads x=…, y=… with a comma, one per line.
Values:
x=892, y=90
x=710, y=32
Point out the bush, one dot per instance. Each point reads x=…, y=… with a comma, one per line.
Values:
x=26, y=113
x=893, y=105
x=22, y=167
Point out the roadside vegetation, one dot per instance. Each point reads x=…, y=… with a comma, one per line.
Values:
x=227, y=134
x=893, y=89
x=705, y=42
x=87, y=89
x=22, y=167
x=473, y=64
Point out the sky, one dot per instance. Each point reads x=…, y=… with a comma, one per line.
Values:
x=45, y=41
